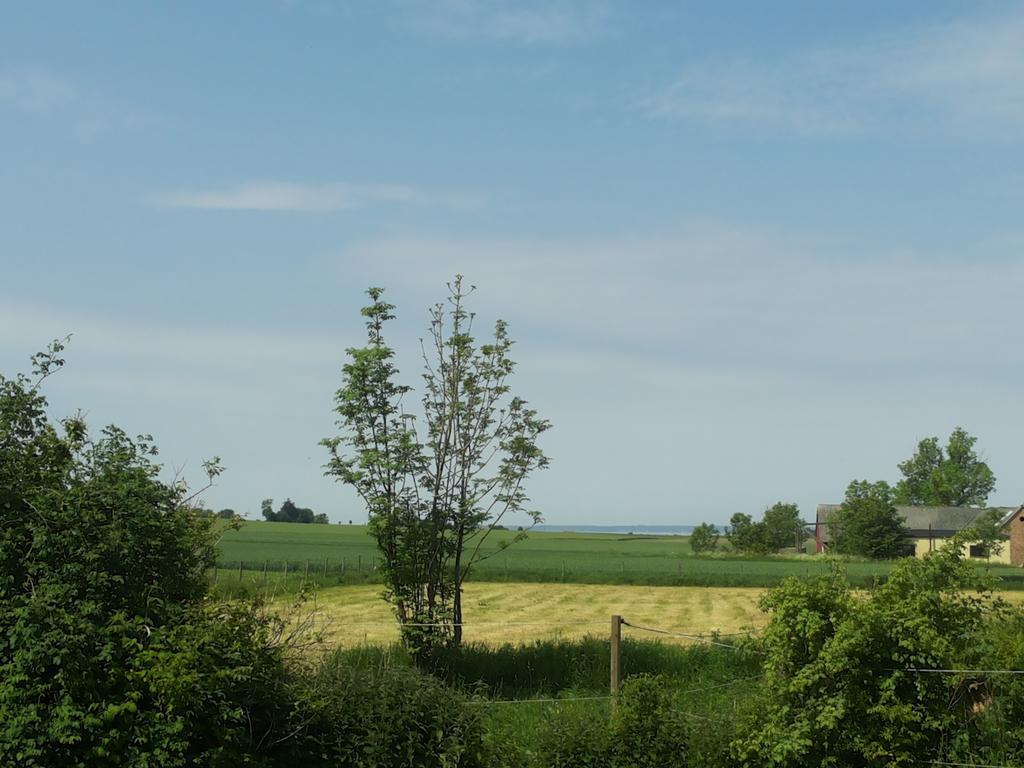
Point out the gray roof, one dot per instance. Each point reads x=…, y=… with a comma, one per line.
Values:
x=939, y=521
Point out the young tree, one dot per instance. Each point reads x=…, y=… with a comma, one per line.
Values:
x=433, y=500
x=956, y=477
x=704, y=538
x=867, y=523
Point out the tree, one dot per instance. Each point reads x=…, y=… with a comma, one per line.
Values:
x=227, y=514
x=783, y=525
x=288, y=513
x=956, y=477
x=867, y=523
x=432, y=500
x=704, y=538
x=748, y=536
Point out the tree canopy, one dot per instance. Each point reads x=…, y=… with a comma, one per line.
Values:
x=780, y=527
x=704, y=538
x=954, y=477
x=290, y=513
x=867, y=524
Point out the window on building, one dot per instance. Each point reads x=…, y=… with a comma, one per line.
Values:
x=978, y=550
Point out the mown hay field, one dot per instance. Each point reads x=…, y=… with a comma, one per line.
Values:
x=518, y=613
x=497, y=613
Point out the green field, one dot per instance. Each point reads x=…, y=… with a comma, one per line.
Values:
x=347, y=554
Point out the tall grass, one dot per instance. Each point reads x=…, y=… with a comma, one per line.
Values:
x=547, y=668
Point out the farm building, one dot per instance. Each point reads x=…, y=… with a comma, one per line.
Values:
x=930, y=527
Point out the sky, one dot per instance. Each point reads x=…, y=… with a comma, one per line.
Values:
x=749, y=252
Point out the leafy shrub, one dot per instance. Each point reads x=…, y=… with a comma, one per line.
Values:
x=646, y=730
x=841, y=680
x=388, y=717
x=704, y=538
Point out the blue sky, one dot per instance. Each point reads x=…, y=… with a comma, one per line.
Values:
x=748, y=251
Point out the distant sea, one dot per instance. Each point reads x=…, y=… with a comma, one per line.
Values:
x=654, y=530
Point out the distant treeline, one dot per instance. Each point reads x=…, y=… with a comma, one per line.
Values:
x=290, y=513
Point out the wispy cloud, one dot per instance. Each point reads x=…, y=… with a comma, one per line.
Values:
x=968, y=74
x=169, y=345
x=312, y=198
x=521, y=21
x=45, y=95
x=734, y=297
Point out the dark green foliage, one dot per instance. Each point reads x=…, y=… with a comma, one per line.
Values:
x=748, y=536
x=956, y=477
x=112, y=654
x=109, y=655
x=647, y=730
x=289, y=513
x=391, y=716
x=867, y=524
x=704, y=538
x=780, y=527
x=840, y=690
x=784, y=528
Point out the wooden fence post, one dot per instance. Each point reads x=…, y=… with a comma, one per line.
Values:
x=616, y=655
x=305, y=575
x=326, y=560
x=239, y=570
x=359, y=563
x=264, y=571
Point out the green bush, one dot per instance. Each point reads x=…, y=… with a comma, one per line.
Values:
x=842, y=686
x=648, y=729
x=392, y=716
x=113, y=654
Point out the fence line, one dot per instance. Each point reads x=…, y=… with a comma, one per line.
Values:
x=688, y=636
x=539, y=701
x=965, y=765
x=958, y=671
x=579, y=623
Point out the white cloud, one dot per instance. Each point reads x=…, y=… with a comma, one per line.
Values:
x=732, y=298
x=968, y=74
x=45, y=95
x=311, y=198
x=551, y=22
x=167, y=346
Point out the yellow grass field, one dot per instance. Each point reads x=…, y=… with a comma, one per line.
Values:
x=497, y=613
